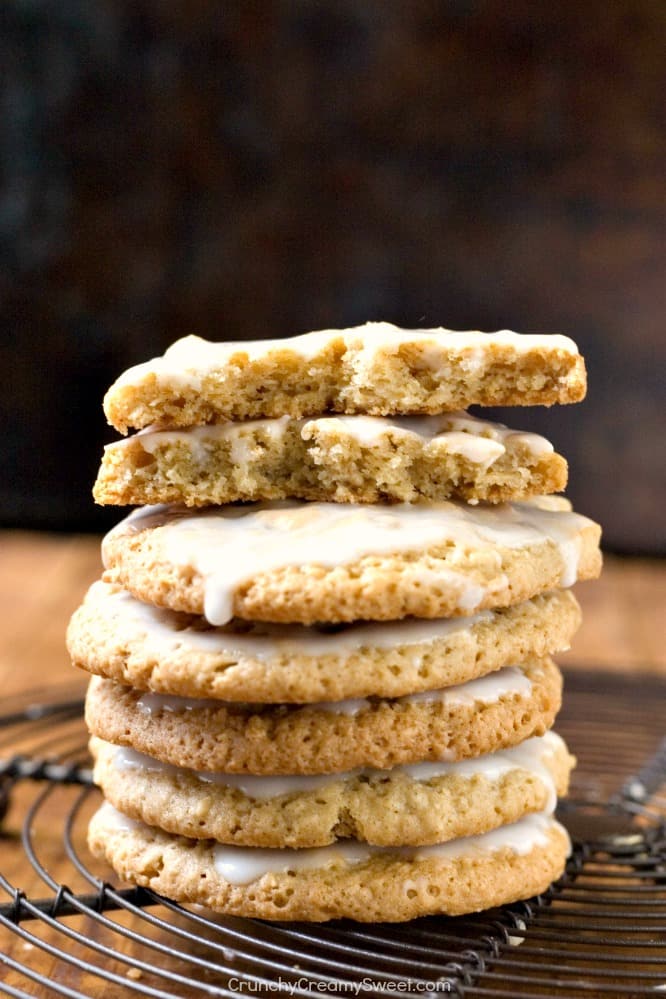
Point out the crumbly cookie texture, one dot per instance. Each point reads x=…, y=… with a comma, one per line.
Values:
x=352, y=881
x=377, y=369
x=406, y=806
x=116, y=636
x=494, y=712
x=342, y=459
x=308, y=562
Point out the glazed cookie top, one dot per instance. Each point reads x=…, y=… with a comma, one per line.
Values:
x=242, y=867
x=341, y=458
x=481, y=716
x=480, y=441
x=319, y=554
x=411, y=804
x=114, y=635
x=541, y=756
x=376, y=368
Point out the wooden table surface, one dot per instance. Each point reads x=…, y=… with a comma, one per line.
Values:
x=42, y=579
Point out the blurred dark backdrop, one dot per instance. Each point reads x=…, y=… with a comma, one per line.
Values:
x=253, y=169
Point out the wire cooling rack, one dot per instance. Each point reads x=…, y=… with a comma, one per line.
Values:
x=599, y=932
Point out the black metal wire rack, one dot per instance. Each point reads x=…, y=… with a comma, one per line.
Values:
x=599, y=932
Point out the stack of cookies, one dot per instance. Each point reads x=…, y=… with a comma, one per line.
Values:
x=322, y=677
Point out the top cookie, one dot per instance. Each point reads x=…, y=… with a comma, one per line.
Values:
x=377, y=369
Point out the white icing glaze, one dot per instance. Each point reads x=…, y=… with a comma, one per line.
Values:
x=189, y=360
x=128, y=760
x=261, y=788
x=556, y=524
x=161, y=630
x=200, y=440
x=116, y=820
x=481, y=442
x=521, y=837
x=264, y=788
x=352, y=706
x=230, y=545
x=477, y=450
x=240, y=866
x=153, y=704
x=529, y=756
x=509, y=681
x=488, y=689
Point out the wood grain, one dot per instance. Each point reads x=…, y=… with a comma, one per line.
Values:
x=42, y=579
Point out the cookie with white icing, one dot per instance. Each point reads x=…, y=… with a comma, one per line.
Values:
x=482, y=716
x=410, y=805
x=343, y=459
x=347, y=880
x=117, y=636
x=306, y=562
x=376, y=369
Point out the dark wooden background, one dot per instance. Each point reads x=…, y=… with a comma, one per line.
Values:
x=252, y=169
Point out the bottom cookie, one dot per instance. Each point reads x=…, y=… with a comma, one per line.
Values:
x=350, y=880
